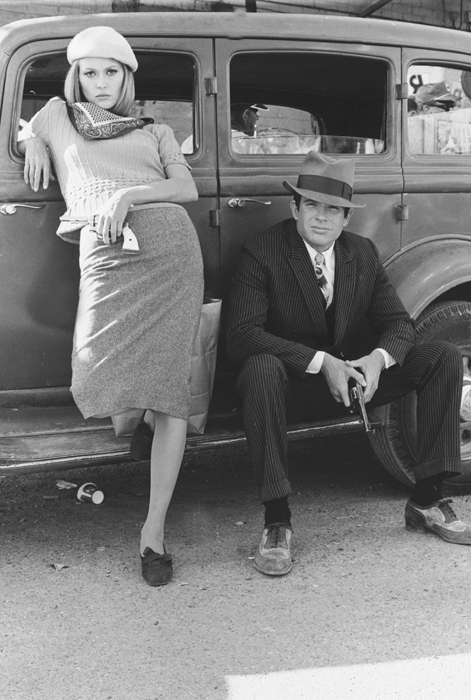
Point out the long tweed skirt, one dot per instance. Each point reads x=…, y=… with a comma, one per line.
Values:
x=138, y=316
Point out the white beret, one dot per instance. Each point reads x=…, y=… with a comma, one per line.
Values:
x=101, y=42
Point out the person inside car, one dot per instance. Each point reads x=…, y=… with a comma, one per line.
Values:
x=424, y=110
x=244, y=119
x=434, y=97
x=311, y=310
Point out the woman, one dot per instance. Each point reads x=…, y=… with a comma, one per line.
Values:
x=138, y=314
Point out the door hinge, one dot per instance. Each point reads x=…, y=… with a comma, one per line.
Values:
x=214, y=218
x=402, y=91
x=402, y=212
x=211, y=85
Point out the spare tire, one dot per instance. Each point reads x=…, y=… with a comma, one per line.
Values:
x=395, y=442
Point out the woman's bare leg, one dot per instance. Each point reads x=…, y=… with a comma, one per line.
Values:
x=166, y=458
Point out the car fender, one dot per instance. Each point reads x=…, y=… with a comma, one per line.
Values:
x=425, y=270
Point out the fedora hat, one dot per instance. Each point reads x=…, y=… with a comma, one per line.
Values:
x=436, y=94
x=326, y=180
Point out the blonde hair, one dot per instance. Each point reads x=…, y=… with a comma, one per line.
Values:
x=73, y=92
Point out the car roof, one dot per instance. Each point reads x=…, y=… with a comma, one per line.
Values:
x=371, y=31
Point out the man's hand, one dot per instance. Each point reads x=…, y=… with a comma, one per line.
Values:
x=371, y=366
x=337, y=373
x=37, y=163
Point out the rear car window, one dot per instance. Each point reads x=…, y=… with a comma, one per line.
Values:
x=309, y=101
x=439, y=110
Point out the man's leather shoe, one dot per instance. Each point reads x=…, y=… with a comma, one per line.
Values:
x=273, y=555
x=141, y=442
x=439, y=518
x=157, y=569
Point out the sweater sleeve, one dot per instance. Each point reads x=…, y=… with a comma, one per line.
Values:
x=39, y=125
x=169, y=149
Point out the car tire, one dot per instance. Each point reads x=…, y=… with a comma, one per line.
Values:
x=395, y=442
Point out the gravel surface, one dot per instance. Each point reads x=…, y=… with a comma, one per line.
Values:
x=78, y=622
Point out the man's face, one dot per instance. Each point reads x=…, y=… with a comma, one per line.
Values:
x=250, y=121
x=432, y=109
x=319, y=224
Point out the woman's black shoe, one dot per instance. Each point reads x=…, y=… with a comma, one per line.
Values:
x=157, y=569
x=141, y=442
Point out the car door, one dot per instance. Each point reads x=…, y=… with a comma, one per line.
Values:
x=437, y=174
x=39, y=272
x=437, y=144
x=338, y=99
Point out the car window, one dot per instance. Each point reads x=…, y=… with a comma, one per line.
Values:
x=175, y=113
x=292, y=103
x=439, y=110
x=165, y=90
x=272, y=133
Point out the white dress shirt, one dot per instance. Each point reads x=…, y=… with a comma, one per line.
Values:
x=329, y=271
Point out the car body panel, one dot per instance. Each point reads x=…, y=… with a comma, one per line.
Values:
x=426, y=270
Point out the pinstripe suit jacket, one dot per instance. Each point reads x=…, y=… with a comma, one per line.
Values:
x=276, y=305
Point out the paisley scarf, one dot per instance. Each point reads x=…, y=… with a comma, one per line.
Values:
x=93, y=122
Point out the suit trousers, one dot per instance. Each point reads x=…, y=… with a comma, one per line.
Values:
x=272, y=398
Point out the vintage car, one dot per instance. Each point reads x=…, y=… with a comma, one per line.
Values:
x=338, y=85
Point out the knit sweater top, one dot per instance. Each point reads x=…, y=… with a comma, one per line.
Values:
x=91, y=171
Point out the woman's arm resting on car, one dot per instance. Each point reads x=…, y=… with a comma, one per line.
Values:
x=179, y=187
x=37, y=162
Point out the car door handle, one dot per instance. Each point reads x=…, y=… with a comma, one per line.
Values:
x=11, y=208
x=236, y=202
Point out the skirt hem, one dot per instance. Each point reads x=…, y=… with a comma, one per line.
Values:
x=132, y=405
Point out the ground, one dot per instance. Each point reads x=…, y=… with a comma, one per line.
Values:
x=369, y=611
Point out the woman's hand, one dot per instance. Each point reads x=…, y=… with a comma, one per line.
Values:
x=109, y=218
x=37, y=162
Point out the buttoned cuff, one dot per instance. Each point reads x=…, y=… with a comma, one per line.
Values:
x=389, y=360
x=316, y=363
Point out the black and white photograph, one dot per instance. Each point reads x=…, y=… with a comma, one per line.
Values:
x=235, y=349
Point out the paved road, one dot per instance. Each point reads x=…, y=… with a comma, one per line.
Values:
x=368, y=612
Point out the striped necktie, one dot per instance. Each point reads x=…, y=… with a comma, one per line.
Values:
x=321, y=278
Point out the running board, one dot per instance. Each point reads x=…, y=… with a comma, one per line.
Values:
x=34, y=439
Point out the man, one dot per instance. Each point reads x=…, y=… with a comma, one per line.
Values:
x=312, y=308
x=434, y=97
x=430, y=129
x=244, y=118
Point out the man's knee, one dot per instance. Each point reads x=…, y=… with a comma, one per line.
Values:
x=265, y=371
x=448, y=354
x=441, y=354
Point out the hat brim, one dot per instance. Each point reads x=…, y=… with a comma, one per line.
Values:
x=322, y=197
x=446, y=97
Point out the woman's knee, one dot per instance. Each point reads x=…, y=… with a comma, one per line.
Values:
x=166, y=422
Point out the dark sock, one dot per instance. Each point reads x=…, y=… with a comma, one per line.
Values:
x=427, y=491
x=277, y=511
